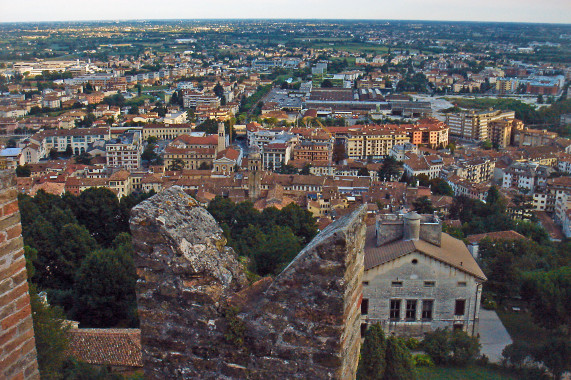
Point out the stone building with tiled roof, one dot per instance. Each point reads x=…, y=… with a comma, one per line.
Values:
x=119, y=349
x=417, y=278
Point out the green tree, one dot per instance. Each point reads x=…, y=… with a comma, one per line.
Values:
x=441, y=187
x=549, y=295
x=465, y=348
x=97, y=208
x=305, y=169
x=219, y=90
x=280, y=247
x=301, y=222
x=372, y=363
x=398, y=361
x=555, y=354
x=390, y=169
x=104, y=289
x=363, y=172
x=23, y=171
x=437, y=345
x=515, y=354
x=176, y=165
x=250, y=238
x=326, y=83
x=76, y=370
x=149, y=153
x=50, y=333
x=423, y=180
x=84, y=159
x=423, y=205
x=74, y=244
x=42, y=236
x=487, y=145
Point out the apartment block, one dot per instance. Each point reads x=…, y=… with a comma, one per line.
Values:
x=125, y=151
x=474, y=124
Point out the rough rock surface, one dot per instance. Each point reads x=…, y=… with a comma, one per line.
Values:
x=201, y=319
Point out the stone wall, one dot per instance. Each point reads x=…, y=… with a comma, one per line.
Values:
x=17, y=345
x=444, y=292
x=200, y=318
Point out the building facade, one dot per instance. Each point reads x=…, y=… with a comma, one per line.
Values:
x=474, y=124
x=418, y=279
x=125, y=151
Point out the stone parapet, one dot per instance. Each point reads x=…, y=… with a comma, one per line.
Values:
x=201, y=319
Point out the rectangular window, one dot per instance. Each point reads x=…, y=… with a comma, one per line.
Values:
x=395, y=310
x=460, y=307
x=365, y=283
x=411, y=310
x=427, y=306
x=429, y=284
x=365, y=306
x=396, y=284
x=462, y=284
x=363, y=329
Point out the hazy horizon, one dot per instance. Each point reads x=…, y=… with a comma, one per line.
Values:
x=524, y=11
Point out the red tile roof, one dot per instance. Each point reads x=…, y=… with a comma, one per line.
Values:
x=117, y=347
x=498, y=235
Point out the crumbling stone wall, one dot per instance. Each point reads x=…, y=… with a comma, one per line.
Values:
x=18, y=359
x=201, y=319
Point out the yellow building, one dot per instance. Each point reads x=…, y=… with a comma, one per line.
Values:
x=166, y=132
x=373, y=144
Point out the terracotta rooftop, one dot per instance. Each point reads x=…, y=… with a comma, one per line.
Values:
x=498, y=235
x=116, y=347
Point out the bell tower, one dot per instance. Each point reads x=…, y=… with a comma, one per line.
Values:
x=221, y=137
x=254, y=175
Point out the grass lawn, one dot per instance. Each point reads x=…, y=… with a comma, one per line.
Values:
x=521, y=327
x=451, y=373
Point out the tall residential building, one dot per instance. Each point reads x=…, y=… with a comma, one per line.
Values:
x=501, y=131
x=125, y=151
x=474, y=124
x=362, y=145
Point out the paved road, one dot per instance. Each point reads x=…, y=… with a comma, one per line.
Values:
x=493, y=335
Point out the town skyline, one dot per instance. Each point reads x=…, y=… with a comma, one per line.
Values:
x=552, y=11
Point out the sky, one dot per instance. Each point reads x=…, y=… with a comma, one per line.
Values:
x=540, y=11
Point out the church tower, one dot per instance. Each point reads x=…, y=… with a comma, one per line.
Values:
x=221, y=137
x=254, y=175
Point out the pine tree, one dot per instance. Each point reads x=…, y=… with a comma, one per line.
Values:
x=398, y=361
x=372, y=363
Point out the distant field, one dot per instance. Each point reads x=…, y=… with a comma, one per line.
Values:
x=450, y=373
x=351, y=47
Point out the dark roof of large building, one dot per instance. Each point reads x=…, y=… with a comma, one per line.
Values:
x=115, y=347
x=451, y=251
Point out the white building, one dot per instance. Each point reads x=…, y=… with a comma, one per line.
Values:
x=125, y=151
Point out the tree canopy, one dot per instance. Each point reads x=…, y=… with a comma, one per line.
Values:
x=270, y=238
x=78, y=250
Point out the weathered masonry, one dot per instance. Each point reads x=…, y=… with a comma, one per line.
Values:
x=18, y=358
x=201, y=319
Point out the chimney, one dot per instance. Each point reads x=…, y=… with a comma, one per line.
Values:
x=411, y=230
